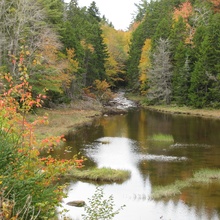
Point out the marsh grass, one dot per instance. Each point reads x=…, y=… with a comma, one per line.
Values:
x=100, y=174
x=162, y=138
x=204, y=176
x=169, y=190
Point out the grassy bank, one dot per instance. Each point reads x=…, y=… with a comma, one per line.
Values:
x=100, y=175
x=203, y=176
x=208, y=113
x=63, y=120
x=173, y=109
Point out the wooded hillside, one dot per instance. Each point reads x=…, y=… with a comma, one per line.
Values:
x=170, y=53
x=174, y=54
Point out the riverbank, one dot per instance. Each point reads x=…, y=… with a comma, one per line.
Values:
x=206, y=113
x=64, y=119
x=173, y=109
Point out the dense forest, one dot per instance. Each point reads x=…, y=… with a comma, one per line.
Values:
x=174, y=53
x=169, y=54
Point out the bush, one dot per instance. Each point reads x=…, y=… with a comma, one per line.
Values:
x=29, y=186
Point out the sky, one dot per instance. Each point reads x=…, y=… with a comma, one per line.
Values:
x=119, y=12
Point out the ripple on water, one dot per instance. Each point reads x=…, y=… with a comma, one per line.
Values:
x=162, y=158
x=182, y=145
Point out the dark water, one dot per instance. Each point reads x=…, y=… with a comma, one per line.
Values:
x=132, y=142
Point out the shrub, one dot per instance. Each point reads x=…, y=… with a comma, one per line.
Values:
x=29, y=186
x=100, y=208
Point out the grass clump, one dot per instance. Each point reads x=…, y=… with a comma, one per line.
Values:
x=199, y=177
x=162, y=137
x=206, y=175
x=102, y=174
x=169, y=190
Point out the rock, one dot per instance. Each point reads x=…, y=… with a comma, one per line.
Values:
x=76, y=203
x=114, y=111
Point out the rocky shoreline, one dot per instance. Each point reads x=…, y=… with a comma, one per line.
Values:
x=119, y=105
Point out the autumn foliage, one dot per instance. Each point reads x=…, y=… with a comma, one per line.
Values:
x=184, y=11
x=29, y=186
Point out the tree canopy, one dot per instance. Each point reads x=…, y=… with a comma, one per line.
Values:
x=67, y=48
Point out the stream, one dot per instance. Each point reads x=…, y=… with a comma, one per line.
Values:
x=131, y=141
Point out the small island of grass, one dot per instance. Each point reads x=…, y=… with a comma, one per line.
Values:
x=100, y=175
x=203, y=176
x=162, y=138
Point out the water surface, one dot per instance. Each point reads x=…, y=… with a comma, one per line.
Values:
x=132, y=142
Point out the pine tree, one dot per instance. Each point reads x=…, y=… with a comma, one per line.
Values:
x=96, y=64
x=205, y=83
x=181, y=76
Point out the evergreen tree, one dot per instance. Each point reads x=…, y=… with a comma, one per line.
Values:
x=178, y=35
x=98, y=57
x=141, y=10
x=55, y=11
x=180, y=60
x=205, y=83
x=149, y=28
x=137, y=42
x=162, y=30
x=181, y=76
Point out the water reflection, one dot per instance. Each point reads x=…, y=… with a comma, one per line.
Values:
x=125, y=142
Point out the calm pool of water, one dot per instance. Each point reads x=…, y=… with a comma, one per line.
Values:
x=158, y=149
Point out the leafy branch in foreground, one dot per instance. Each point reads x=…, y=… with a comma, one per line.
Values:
x=100, y=208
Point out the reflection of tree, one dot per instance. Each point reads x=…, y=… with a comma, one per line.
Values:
x=195, y=130
x=137, y=128
x=203, y=196
x=164, y=173
x=143, y=167
x=115, y=126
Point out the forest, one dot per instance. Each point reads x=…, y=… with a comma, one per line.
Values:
x=169, y=54
x=52, y=52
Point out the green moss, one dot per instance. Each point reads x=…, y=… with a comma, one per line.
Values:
x=102, y=175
